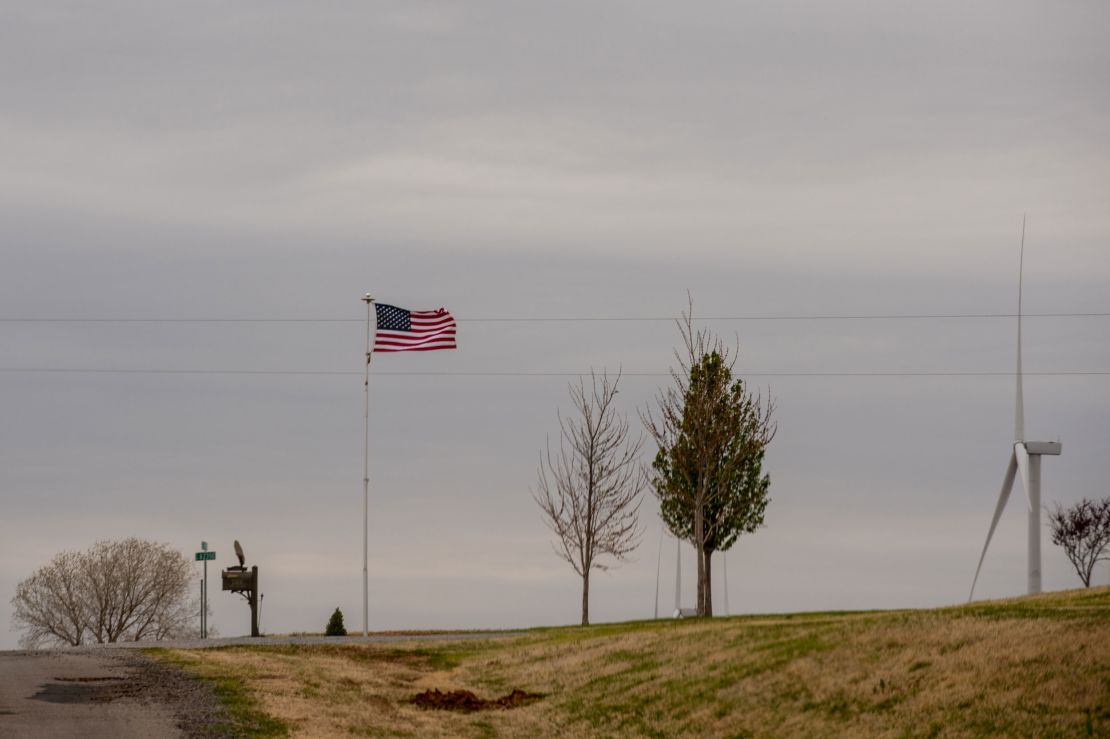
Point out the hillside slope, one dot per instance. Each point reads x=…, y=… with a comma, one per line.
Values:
x=1036, y=666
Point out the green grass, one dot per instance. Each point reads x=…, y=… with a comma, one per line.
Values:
x=1035, y=666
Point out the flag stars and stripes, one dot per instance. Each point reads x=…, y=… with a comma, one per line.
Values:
x=400, y=330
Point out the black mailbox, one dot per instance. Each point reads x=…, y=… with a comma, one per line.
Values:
x=238, y=581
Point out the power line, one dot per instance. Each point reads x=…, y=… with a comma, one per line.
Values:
x=166, y=371
x=584, y=319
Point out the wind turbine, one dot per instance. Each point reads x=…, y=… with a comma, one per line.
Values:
x=1026, y=459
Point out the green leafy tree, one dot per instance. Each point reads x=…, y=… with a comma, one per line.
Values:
x=712, y=435
x=335, y=624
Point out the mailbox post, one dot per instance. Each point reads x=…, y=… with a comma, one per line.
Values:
x=238, y=579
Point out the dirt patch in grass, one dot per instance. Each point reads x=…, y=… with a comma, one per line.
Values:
x=467, y=702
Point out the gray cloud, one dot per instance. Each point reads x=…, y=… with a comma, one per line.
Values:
x=572, y=160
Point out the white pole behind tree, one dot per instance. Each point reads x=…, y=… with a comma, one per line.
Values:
x=366, y=475
x=724, y=578
x=677, y=575
x=658, y=566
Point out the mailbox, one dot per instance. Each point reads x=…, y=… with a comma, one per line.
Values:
x=244, y=582
x=238, y=581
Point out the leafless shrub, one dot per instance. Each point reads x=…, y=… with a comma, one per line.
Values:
x=117, y=590
x=50, y=605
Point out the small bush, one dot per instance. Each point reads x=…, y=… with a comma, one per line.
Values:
x=335, y=625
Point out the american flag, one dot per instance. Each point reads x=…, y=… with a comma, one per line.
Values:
x=400, y=330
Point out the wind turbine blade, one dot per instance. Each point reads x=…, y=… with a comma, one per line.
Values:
x=1019, y=403
x=1022, y=455
x=1007, y=486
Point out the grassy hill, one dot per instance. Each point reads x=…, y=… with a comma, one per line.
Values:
x=1037, y=666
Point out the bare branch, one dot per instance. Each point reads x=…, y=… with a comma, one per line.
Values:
x=589, y=489
x=1083, y=530
x=130, y=589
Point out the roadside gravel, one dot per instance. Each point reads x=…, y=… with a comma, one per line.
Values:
x=196, y=710
x=281, y=640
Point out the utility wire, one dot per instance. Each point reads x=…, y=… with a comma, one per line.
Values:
x=164, y=371
x=584, y=319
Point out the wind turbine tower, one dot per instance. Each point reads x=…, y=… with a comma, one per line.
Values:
x=1026, y=459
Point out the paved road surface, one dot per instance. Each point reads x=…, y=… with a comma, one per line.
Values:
x=74, y=694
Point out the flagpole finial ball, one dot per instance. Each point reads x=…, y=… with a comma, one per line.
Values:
x=368, y=298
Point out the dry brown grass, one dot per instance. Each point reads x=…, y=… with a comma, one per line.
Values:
x=1029, y=667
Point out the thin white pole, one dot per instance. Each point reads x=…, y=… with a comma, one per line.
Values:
x=658, y=564
x=677, y=574
x=724, y=577
x=366, y=476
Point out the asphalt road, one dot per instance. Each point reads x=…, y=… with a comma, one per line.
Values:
x=75, y=694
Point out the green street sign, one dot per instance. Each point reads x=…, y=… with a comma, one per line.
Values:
x=205, y=555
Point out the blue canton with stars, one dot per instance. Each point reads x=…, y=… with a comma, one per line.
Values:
x=392, y=318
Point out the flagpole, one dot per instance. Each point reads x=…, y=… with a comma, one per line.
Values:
x=369, y=300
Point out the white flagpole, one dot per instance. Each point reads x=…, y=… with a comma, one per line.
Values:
x=658, y=565
x=366, y=474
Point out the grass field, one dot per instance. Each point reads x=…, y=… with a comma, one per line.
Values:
x=1036, y=666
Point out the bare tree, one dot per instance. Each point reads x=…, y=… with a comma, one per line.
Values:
x=711, y=435
x=589, y=491
x=1083, y=530
x=49, y=606
x=117, y=590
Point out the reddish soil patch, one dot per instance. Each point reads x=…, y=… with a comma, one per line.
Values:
x=465, y=701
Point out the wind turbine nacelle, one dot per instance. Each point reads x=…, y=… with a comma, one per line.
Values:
x=1044, y=447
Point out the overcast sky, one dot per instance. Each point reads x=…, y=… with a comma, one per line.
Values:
x=521, y=160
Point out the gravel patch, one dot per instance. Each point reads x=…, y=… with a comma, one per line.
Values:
x=282, y=640
x=196, y=710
